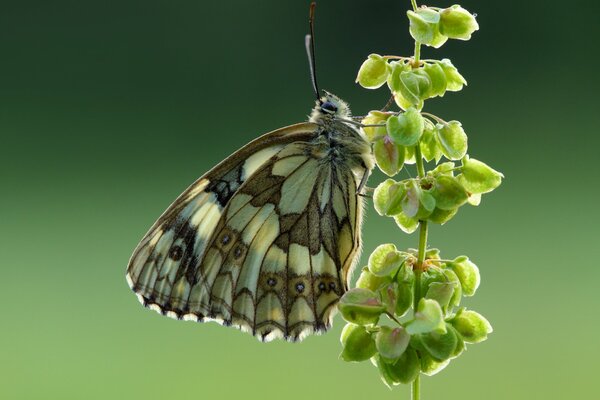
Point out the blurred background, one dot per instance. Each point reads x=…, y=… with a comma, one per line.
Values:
x=109, y=109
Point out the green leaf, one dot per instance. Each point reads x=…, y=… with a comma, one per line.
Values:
x=407, y=224
x=388, y=156
x=367, y=280
x=472, y=326
x=414, y=87
x=358, y=344
x=373, y=72
x=478, y=177
x=430, y=149
x=406, y=129
x=385, y=260
x=467, y=273
x=438, y=80
x=428, y=318
x=457, y=23
x=361, y=306
x=449, y=194
x=374, y=133
x=387, y=197
x=424, y=27
x=452, y=139
x=440, y=346
x=391, y=342
x=454, y=80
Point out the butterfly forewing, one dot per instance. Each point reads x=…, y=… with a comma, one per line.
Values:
x=263, y=242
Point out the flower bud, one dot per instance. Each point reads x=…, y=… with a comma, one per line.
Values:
x=457, y=23
x=358, y=344
x=373, y=72
x=424, y=27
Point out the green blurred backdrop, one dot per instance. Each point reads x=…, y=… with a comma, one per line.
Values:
x=109, y=109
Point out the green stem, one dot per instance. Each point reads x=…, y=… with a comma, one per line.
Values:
x=416, y=385
x=417, y=54
x=414, y=4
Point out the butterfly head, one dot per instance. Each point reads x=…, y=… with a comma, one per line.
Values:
x=330, y=107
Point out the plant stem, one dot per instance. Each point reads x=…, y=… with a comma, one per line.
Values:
x=414, y=4
x=417, y=55
x=416, y=385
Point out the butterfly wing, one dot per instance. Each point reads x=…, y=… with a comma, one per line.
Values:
x=265, y=248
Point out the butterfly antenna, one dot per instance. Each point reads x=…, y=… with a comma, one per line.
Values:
x=309, y=42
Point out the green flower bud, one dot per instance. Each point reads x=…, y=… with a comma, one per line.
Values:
x=454, y=80
x=472, y=326
x=424, y=27
x=449, y=194
x=414, y=87
x=440, y=346
x=391, y=342
x=389, y=156
x=439, y=216
x=406, y=129
x=467, y=273
x=407, y=224
x=430, y=148
x=367, y=280
x=428, y=318
x=387, y=197
x=393, y=81
x=373, y=73
x=478, y=177
x=438, y=80
x=452, y=139
x=374, y=133
x=361, y=306
x=385, y=260
x=417, y=203
x=457, y=23
x=358, y=344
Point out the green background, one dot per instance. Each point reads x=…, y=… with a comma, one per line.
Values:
x=109, y=109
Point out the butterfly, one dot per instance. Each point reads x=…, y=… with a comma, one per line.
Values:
x=266, y=240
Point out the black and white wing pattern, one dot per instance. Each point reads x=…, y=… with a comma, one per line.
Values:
x=263, y=242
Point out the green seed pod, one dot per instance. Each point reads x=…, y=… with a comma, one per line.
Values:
x=387, y=197
x=374, y=133
x=407, y=224
x=406, y=129
x=472, y=326
x=449, y=194
x=440, y=346
x=474, y=198
x=408, y=367
x=454, y=80
x=417, y=203
x=393, y=81
x=361, y=306
x=478, y=177
x=445, y=168
x=358, y=344
x=439, y=216
x=424, y=27
x=373, y=73
x=414, y=87
x=452, y=139
x=428, y=318
x=460, y=342
x=430, y=149
x=405, y=104
x=432, y=254
x=389, y=296
x=409, y=156
x=385, y=260
x=367, y=280
x=467, y=273
x=430, y=366
x=391, y=343
x=441, y=292
x=389, y=156
x=457, y=294
x=457, y=23
x=438, y=79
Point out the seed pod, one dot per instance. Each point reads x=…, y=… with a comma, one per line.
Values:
x=358, y=344
x=373, y=72
x=361, y=306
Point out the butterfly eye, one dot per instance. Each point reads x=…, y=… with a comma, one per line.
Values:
x=329, y=107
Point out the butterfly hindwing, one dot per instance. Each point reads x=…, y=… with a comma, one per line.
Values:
x=264, y=241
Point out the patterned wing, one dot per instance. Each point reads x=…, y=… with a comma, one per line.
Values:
x=176, y=243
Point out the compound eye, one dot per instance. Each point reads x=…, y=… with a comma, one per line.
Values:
x=329, y=107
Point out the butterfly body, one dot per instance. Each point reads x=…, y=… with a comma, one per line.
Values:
x=266, y=240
